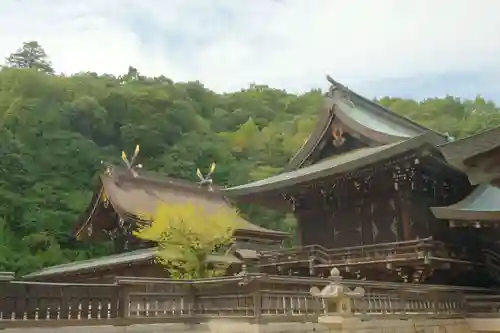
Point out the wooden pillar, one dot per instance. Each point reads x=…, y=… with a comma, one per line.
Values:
x=359, y=217
x=401, y=207
x=299, y=231
x=405, y=217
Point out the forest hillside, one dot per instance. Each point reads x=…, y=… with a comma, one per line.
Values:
x=56, y=129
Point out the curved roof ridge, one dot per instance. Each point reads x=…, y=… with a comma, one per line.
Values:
x=377, y=107
x=328, y=114
x=323, y=122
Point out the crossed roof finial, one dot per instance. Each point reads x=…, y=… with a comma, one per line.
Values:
x=207, y=179
x=131, y=167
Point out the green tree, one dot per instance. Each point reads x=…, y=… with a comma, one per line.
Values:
x=30, y=55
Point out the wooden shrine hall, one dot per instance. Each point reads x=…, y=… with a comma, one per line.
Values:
x=124, y=195
x=374, y=194
x=383, y=198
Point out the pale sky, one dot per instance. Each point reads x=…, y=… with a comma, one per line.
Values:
x=418, y=48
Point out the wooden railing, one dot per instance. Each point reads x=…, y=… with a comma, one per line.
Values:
x=483, y=305
x=252, y=297
x=319, y=256
x=414, y=304
x=36, y=302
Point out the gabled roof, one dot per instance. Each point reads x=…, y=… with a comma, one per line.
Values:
x=483, y=204
x=460, y=151
x=135, y=196
x=477, y=155
x=332, y=166
x=363, y=116
x=107, y=262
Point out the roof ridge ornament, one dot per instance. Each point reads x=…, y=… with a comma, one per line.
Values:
x=339, y=90
x=207, y=179
x=449, y=137
x=131, y=167
x=108, y=169
x=338, y=135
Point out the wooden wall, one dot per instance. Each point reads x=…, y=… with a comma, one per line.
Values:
x=389, y=204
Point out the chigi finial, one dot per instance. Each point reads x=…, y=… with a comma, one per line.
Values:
x=207, y=179
x=131, y=167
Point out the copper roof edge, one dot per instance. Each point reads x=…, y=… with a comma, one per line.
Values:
x=323, y=122
x=462, y=210
x=131, y=257
x=386, y=111
x=326, y=116
x=384, y=152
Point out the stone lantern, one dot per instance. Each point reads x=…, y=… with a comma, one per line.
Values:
x=338, y=300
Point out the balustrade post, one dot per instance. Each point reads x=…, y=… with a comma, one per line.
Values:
x=462, y=304
x=404, y=301
x=65, y=301
x=192, y=301
x=257, y=301
x=123, y=302
x=5, y=278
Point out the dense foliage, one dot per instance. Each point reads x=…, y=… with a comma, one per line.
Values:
x=56, y=129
